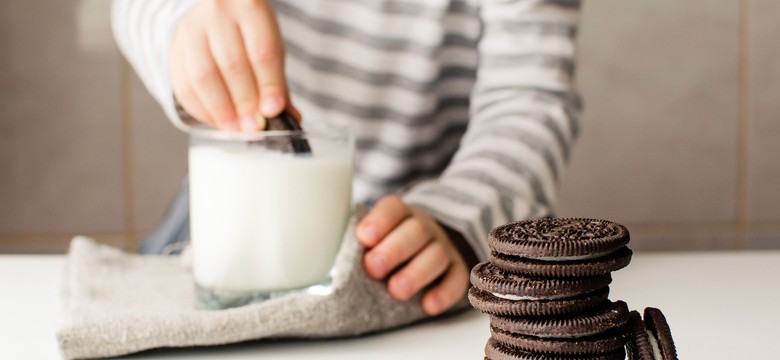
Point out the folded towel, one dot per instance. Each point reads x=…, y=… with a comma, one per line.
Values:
x=116, y=303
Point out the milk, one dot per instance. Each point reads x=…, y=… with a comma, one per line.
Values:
x=266, y=221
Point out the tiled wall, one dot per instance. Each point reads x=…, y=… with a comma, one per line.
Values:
x=682, y=100
x=83, y=149
x=678, y=139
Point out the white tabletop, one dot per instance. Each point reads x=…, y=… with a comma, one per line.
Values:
x=722, y=305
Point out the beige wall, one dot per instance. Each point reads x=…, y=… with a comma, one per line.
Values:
x=677, y=143
x=682, y=100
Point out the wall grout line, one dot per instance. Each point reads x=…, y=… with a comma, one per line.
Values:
x=53, y=244
x=743, y=128
x=692, y=226
x=662, y=228
x=681, y=228
x=66, y=234
x=127, y=155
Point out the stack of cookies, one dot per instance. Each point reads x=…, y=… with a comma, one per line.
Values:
x=546, y=290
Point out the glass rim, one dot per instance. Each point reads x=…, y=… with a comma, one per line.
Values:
x=316, y=129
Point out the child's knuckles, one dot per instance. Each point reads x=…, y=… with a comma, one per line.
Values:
x=418, y=230
x=438, y=253
x=405, y=284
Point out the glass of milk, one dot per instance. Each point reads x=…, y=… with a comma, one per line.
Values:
x=265, y=222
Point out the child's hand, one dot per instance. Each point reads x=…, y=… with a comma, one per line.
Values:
x=227, y=64
x=410, y=245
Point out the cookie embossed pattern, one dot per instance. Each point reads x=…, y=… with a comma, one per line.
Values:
x=546, y=289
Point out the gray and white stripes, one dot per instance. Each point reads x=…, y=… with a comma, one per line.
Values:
x=469, y=101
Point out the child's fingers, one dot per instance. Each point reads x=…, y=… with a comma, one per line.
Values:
x=227, y=47
x=422, y=270
x=204, y=75
x=400, y=245
x=447, y=293
x=265, y=49
x=398, y=234
x=184, y=93
x=388, y=212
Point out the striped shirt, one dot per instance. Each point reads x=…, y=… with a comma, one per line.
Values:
x=465, y=107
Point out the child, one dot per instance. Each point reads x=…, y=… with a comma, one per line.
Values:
x=466, y=105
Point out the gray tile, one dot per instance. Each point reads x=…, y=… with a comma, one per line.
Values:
x=764, y=147
x=53, y=244
x=763, y=236
x=60, y=124
x=159, y=158
x=660, y=84
x=688, y=239
x=764, y=241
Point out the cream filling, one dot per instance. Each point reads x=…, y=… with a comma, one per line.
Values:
x=654, y=345
x=571, y=336
x=571, y=258
x=518, y=297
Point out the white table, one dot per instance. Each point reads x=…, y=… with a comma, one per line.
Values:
x=722, y=305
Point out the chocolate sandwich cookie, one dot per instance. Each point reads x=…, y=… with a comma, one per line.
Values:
x=659, y=334
x=488, y=303
x=639, y=347
x=613, y=261
x=513, y=286
x=605, y=342
x=553, y=239
x=610, y=316
x=288, y=144
x=494, y=350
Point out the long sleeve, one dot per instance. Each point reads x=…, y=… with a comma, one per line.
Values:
x=523, y=120
x=479, y=88
x=144, y=29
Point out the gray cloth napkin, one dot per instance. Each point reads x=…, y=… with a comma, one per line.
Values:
x=116, y=303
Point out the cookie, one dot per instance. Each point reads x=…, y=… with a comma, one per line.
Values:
x=639, y=347
x=286, y=143
x=612, y=315
x=488, y=303
x=513, y=286
x=596, y=344
x=495, y=350
x=553, y=239
x=613, y=261
x=659, y=334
